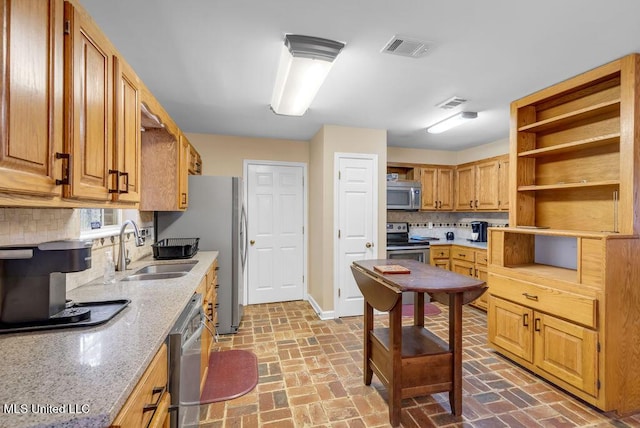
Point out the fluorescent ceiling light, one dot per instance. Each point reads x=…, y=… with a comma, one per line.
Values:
x=452, y=122
x=304, y=64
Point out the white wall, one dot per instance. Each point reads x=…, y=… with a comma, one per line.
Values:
x=443, y=157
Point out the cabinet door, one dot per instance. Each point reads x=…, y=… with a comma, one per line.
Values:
x=127, y=133
x=442, y=263
x=428, y=179
x=445, y=189
x=462, y=267
x=183, y=173
x=482, y=275
x=465, y=188
x=567, y=351
x=89, y=108
x=31, y=96
x=487, y=186
x=503, y=184
x=510, y=327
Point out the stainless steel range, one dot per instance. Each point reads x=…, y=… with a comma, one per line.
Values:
x=400, y=246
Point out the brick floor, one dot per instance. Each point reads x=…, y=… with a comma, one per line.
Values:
x=310, y=375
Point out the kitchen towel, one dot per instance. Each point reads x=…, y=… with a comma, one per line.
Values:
x=231, y=374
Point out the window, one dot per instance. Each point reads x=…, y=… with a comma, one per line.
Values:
x=96, y=222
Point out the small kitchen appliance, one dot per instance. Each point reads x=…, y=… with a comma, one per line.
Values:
x=404, y=195
x=479, y=231
x=33, y=288
x=449, y=236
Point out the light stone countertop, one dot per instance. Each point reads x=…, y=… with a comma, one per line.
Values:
x=89, y=373
x=462, y=242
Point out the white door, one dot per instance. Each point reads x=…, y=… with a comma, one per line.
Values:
x=275, y=209
x=356, y=212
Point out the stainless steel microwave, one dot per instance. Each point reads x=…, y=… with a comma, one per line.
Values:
x=404, y=195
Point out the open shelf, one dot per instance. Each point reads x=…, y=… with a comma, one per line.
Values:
x=572, y=146
x=546, y=271
x=569, y=185
x=601, y=109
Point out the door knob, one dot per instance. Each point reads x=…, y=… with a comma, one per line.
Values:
x=368, y=244
x=252, y=242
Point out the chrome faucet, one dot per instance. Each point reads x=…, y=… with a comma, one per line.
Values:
x=122, y=259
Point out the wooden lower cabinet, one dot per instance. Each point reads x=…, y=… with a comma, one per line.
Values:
x=562, y=349
x=209, y=289
x=471, y=262
x=439, y=256
x=150, y=392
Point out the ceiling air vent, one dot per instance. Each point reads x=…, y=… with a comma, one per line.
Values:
x=405, y=46
x=452, y=102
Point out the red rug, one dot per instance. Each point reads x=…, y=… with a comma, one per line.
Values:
x=429, y=309
x=231, y=374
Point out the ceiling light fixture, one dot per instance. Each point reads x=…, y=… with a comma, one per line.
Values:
x=452, y=122
x=304, y=64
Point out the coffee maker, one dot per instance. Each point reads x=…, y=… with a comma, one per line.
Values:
x=32, y=281
x=479, y=231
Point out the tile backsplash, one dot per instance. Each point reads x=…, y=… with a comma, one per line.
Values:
x=35, y=225
x=437, y=224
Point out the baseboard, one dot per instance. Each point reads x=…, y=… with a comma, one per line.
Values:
x=324, y=315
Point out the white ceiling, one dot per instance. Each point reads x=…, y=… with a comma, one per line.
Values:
x=212, y=63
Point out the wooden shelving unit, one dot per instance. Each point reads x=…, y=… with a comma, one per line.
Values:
x=591, y=113
x=573, y=146
x=573, y=152
x=569, y=185
x=564, y=275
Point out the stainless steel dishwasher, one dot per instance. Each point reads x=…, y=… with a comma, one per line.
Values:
x=185, y=343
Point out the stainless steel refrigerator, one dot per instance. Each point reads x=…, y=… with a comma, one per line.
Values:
x=216, y=215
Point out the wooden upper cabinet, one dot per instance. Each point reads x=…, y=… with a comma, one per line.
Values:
x=429, y=181
x=31, y=97
x=183, y=172
x=437, y=188
x=503, y=183
x=89, y=107
x=165, y=151
x=445, y=189
x=465, y=188
x=486, y=197
x=127, y=133
x=482, y=186
x=195, y=162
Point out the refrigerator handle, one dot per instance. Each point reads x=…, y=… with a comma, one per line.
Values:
x=244, y=236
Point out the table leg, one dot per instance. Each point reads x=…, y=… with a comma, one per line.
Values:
x=368, y=326
x=418, y=309
x=395, y=381
x=455, y=346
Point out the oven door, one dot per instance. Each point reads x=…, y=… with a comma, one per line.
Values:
x=419, y=254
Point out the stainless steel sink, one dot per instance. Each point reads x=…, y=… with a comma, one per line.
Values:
x=167, y=267
x=153, y=276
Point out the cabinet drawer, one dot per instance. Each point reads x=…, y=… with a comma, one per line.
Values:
x=150, y=389
x=481, y=257
x=462, y=253
x=565, y=305
x=438, y=252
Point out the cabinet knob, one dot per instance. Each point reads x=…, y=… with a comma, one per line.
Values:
x=252, y=242
x=369, y=244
